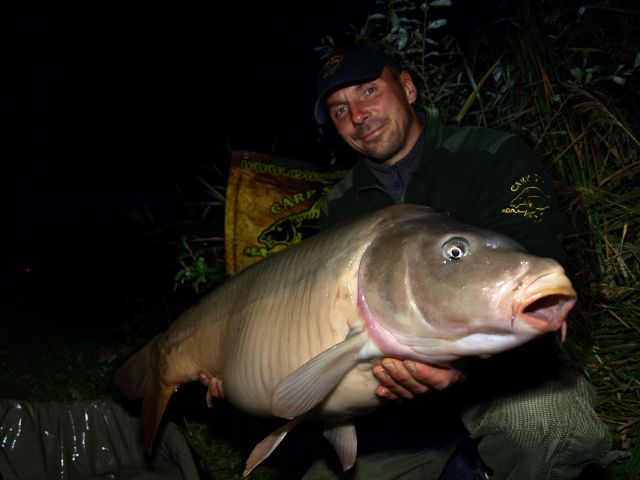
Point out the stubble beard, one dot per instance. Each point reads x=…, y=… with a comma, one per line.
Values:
x=384, y=148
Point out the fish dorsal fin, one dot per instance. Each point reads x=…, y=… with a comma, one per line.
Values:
x=306, y=387
x=345, y=442
x=263, y=449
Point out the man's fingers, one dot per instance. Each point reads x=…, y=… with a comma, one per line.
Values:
x=396, y=380
x=437, y=378
x=385, y=393
x=404, y=378
x=407, y=379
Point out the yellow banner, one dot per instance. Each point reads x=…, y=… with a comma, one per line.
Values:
x=271, y=203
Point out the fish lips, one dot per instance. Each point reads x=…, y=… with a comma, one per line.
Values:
x=546, y=303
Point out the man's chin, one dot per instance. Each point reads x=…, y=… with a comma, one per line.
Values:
x=379, y=155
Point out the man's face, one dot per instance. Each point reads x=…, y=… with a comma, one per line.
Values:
x=376, y=118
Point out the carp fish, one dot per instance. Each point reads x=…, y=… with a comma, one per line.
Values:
x=296, y=335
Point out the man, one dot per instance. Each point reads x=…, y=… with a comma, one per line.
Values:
x=528, y=415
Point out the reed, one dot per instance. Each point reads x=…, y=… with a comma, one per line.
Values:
x=566, y=79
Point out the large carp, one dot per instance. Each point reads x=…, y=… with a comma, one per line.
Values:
x=296, y=335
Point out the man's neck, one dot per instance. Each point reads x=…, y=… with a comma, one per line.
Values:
x=412, y=138
x=393, y=179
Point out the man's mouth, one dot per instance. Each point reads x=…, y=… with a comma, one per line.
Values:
x=370, y=133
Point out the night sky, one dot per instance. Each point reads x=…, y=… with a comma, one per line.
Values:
x=109, y=110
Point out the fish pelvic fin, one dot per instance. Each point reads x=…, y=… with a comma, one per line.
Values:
x=310, y=384
x=344, y=440
x=139, y=377
x=266, y=447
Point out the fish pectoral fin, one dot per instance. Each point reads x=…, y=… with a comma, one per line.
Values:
x=306, y=387
x=344, y=440
x=263, y=449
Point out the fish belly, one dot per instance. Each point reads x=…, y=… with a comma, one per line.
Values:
x=285, y=311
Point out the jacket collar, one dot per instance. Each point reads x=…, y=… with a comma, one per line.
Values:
x=363, y=179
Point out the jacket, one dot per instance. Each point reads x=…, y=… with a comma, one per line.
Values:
x=481, y=176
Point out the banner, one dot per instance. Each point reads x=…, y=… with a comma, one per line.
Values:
x=271, y=204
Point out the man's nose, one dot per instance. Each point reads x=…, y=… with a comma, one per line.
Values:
x=359, y=114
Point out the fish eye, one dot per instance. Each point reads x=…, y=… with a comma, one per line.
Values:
x=455, y=248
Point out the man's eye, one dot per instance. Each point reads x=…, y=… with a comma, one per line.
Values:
x=370, y=90
x=339, y=111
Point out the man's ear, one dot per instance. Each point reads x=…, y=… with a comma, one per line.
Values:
x=409, y=87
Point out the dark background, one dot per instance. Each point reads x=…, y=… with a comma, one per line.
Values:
x=110, y=112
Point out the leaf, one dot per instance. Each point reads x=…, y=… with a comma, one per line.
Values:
x=403, y=37
x=395, y=23
x=376, y=16
x=437, y=24
x=441, y=3
x=636, y=62
x=618, y=80
x=577, y=73
x=216, y=192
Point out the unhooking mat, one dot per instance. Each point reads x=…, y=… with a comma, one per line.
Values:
x=82, y=440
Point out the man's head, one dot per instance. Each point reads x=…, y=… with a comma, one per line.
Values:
x=349, y=66
x=369, y=100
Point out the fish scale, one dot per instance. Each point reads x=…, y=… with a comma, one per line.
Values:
x=296, y=334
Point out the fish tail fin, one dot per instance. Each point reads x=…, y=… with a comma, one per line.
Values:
x=139, y=377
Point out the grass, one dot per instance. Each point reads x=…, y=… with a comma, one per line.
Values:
x=67, y=366
x=76, y=365
x=549, y=76
x=566, y=79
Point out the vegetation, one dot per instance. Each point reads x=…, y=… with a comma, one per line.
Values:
x=566, y=78
x=563, y=76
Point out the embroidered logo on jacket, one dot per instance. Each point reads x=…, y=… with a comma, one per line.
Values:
x=530, y=200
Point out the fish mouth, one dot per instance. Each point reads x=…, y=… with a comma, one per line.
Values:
x=546, y=303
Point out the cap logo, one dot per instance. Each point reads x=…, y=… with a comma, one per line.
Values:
x=332, y=65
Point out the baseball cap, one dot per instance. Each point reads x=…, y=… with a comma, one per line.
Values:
x=349, y=66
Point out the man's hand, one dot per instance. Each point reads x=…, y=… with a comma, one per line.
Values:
x=407, y=379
